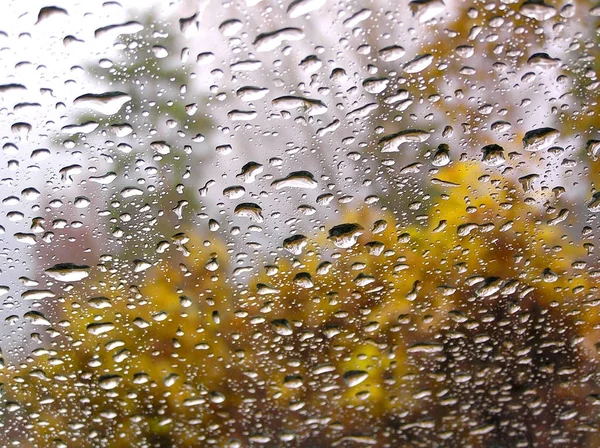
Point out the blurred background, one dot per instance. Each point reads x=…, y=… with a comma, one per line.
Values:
x=308, y=224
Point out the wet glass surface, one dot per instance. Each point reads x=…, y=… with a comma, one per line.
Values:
x=303, y=223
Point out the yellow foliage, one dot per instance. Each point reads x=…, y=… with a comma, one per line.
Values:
x=192, y=354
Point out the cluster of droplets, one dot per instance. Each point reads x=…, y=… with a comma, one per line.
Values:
x=252, y=245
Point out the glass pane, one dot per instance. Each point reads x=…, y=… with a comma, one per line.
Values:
x=301, y=223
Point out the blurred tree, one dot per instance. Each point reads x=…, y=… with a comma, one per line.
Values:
x=472, y=330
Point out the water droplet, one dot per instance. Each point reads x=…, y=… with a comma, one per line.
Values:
x=141, y=265
x=231, y=27
x=418, y=64
x=249, y=172
x=249, y=210
x=108, y=103
x=392, y=143
x=272, y=40
x=493, y=155
x=251, y=93
x=391, y=53
x=36, y=318
x=98, y=328
x=355, y=377
x=48, y=12
x=310, y=106
x=425, y=10
x=540, y=139
x=68, y=272
x=296, y=179
x=113, y=31
x=538, y=10
x=299, y=8
x=109, y=382
x=345, y=236
x=442, y=156
x=357, y=17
